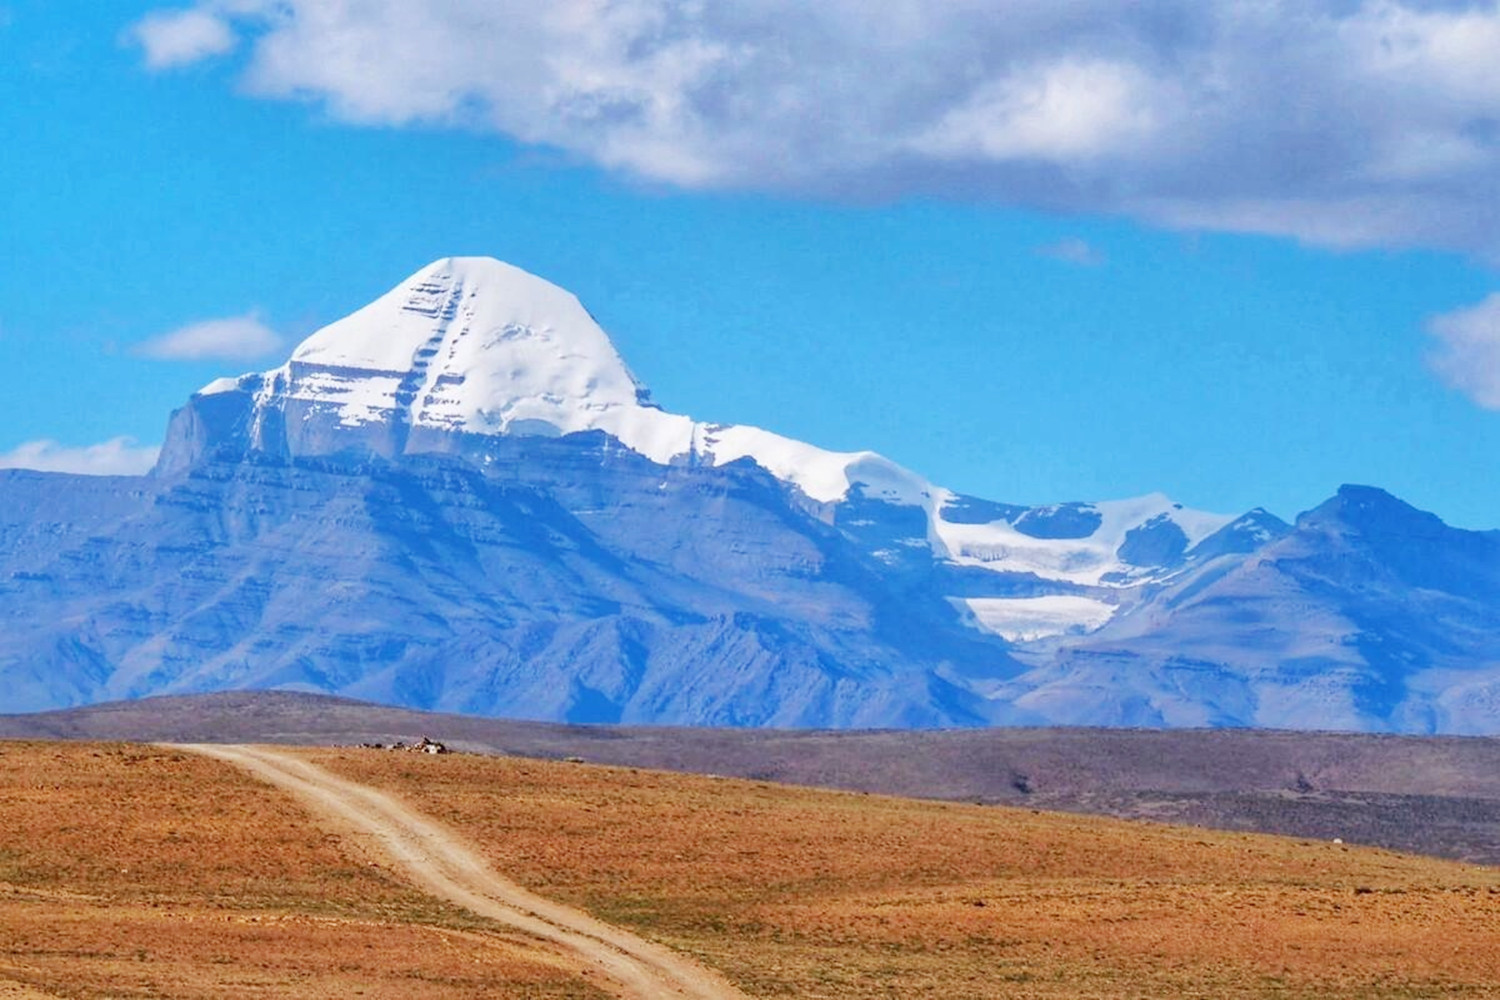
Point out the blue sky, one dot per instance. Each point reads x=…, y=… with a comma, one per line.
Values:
x=1036, y=258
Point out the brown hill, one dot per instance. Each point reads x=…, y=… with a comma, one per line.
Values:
x=1431, y=795
x=144, y=871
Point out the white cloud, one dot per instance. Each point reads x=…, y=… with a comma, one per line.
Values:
x=1053, y=111
x=1339, y=122
x=235, y=338
x=180, y=37
x=119, y=456
x=1466, y=354
x=1072, y=250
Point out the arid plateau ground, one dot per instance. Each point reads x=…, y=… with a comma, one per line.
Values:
x=1423, y=795
x=146, y=871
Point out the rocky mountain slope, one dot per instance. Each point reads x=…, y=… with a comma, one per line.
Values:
x=460, y=498
x=1367, y=614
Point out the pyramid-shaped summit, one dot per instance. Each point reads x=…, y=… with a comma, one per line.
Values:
x=466, y=345
x=473, y=346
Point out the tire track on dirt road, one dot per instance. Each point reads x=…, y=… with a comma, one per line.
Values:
x=439, y=861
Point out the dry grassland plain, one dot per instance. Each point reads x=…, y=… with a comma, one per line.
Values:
x=130, y=871
x=803, y=893
x=135, y=872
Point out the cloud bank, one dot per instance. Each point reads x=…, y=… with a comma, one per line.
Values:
x=119, y=456
x=1348, y=123
x=234, y=338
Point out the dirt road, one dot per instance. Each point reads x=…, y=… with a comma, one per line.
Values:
x=436, y=859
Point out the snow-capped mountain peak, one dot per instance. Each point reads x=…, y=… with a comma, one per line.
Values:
x=470, y=348
x=483, y=338
x=387, y=516
x=477, y=346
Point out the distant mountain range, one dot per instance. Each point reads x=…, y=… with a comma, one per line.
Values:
x=459, y=498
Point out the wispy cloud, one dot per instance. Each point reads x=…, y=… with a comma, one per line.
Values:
x=180, y=37
x=1072, y=250
x=1339, y=122
x=233, y=338
x=120, y=456
x=1466, y=352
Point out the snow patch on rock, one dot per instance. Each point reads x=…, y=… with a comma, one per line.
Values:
x=1093, y=560
x=1026, y=619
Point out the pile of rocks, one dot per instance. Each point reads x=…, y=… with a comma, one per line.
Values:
x=423, y=745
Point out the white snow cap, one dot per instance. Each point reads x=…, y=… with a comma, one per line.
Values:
x=474, y=344
x=510, y=336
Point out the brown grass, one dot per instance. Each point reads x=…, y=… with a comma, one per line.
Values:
x=136, y=872
x=139, y=872
x=800, y=893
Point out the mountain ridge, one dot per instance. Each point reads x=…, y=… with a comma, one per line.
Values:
x=529, y=361
x=472, y=345
x=459, y=497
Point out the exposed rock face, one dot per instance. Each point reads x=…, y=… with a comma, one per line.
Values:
x=567, y=579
